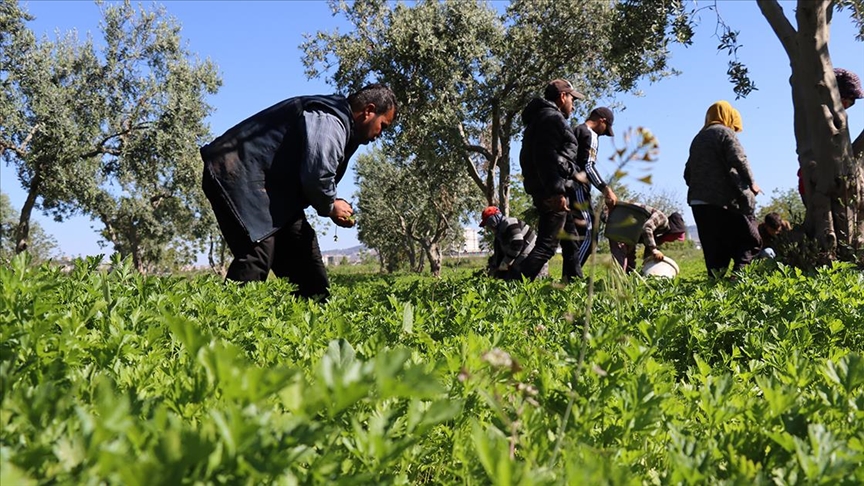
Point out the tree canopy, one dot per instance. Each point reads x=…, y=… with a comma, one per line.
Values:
x=463, y=71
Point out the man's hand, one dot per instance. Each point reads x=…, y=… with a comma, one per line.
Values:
x=503, y=267
x=342, y=214
x=657, y=255
x=755, y=188
x=610, y=197
x=556, y=203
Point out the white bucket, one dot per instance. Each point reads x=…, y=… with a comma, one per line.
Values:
x=667, y=268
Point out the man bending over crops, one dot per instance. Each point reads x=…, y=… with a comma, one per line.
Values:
x=263, y=173
x=514, y=240
x=656, y=230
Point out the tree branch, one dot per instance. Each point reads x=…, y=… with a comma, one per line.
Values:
x=470, y=148
x=773, y=13
x=21, y=149
x=478, y=149
x=101, y=149
x=157, y=199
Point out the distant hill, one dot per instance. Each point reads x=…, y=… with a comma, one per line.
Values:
x=693, y=234
x=354, y=250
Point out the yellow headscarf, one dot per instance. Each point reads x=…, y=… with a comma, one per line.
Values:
x=737, y=125
x=722, y=113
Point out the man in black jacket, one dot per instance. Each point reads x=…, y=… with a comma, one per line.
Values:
x=547, y=160
x=263, y=173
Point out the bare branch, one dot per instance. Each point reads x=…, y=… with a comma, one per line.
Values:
x=102, y=151
x=20, y=149
x=479, y=149
x=858, y=145
x=469, y=148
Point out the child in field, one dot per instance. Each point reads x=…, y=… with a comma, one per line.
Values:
x=769, y=229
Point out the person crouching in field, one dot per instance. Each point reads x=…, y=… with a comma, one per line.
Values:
x=514, y=240
x=769, y=229
x=656, y=230
x=722, y=192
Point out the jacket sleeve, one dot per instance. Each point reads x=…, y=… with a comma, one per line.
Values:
x=736, y=159
x=740, y=174
x=515, y=242
x=325, y=149
x=657, y=222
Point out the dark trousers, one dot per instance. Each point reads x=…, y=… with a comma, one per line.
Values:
x=624, y=254
x=549, y=231
x=725, y=236
x=292, y=252
x=576, y=247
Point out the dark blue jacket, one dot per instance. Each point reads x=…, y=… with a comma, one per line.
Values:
x=257, y=163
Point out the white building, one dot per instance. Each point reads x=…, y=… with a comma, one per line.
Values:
x=472, y=240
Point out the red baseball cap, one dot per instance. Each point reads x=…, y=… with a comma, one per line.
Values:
x=487, y=213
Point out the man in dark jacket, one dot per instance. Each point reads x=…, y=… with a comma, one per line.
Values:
x=576, y=249
x=263, y=173
x=514, y=241
x=547, y=161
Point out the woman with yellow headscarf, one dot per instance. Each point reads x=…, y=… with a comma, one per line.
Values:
x=721, y=192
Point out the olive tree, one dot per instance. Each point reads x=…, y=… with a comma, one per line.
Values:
x=110, y=130
x=411, y=208
x=831, y=168
x=832, y=175
x=463, y=70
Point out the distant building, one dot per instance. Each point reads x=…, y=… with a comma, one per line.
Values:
x=472, y=240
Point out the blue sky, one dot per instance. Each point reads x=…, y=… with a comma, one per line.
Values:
x=256, y=47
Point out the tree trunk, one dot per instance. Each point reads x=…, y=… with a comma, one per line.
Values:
x=830, y=175
x=135, y=250
x=412, y=254
x=837, y=176
x=382, y=267
x=216, y=255
x=433, y=253
x=22, y=232
x=504, y=178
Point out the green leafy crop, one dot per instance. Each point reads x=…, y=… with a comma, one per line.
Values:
x=112, y=377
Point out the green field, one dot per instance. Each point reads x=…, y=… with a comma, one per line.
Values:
x=111, y=377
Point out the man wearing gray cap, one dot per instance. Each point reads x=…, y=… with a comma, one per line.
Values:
x=547, y=159
x=580, y=219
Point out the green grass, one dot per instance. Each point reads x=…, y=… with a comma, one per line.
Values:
x=689, y=260
x=112, y=377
